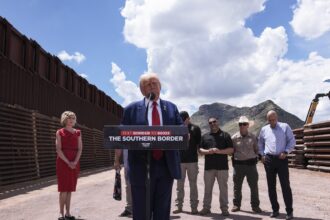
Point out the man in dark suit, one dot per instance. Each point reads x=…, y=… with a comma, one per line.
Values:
x=165, y=165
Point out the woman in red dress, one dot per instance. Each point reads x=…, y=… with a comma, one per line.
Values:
x=68, y=148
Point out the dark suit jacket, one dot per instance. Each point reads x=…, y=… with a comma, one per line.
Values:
x=134, y=114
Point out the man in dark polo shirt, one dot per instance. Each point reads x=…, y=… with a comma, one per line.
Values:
x=216, y=145
x=189, y=166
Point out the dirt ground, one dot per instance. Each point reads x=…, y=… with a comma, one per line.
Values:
x=93, y=199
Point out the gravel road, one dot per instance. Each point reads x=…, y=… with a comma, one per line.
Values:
x=93, y=199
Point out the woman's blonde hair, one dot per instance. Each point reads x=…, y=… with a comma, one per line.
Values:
x=65, y=115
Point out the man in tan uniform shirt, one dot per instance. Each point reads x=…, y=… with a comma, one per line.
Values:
x=245, y=159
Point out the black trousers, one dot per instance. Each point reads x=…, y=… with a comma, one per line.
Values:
x=161, y=193
x=275, y=166
x=251, y=174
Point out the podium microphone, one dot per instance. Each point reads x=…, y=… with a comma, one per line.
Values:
x=151, y=96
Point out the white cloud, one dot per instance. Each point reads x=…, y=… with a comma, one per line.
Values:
x=77, y=57
x=203, y=53
x=126, y=89
x=311, y=18
x=165, y=22
x=83, y=75
x=294, y=85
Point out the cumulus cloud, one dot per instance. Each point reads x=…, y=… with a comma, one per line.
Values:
x=203, y=53
x=126, y=89
x=163, y=22
x=195, y=43
x=311, y=18
x=76, y=57
x=293, y=86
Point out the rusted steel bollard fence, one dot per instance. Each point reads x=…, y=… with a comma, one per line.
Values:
x=297, y=156
x=317, y=146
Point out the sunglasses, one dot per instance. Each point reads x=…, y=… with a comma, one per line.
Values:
x=212, y=122
x=242, y=124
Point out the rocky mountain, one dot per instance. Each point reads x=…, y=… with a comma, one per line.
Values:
x=228, y=116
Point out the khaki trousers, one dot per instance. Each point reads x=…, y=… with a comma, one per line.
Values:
x=191, y=170
x=222, y=178
x=128, y=194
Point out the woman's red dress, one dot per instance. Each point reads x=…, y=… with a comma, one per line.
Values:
x=67, y=177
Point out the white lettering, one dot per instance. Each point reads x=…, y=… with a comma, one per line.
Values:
x=114, y=138
x=139, y=138
x=170, y=138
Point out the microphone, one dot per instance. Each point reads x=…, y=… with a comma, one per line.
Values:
x=147, y=157
x=151, y=96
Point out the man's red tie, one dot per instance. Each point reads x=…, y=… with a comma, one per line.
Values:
x=156, y=154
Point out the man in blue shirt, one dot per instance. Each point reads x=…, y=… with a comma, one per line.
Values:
x=276, y=140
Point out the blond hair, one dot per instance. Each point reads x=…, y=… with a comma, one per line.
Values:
x=146, y=76
x=65, y=115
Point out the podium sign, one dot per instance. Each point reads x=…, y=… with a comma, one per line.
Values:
x=143, y=137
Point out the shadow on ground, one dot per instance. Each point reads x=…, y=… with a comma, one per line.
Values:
x=281, y=216
x=241, y=216
x=219, y=216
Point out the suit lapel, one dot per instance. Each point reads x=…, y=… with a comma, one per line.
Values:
x=141, y=111
x=164, y=110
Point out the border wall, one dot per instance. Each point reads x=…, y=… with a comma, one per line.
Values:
x=35, y=88
x=27, y=146
x=34, y=79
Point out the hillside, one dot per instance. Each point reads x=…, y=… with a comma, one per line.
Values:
x=229, y=115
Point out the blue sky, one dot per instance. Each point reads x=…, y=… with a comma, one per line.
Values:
x=77, y=26
x=236, y=52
